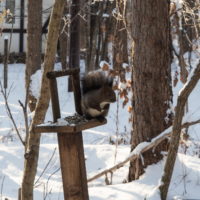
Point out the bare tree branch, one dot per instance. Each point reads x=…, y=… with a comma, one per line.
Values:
x=176, y=130
x=2, y=184
x=10, y=113
x=24, y=108
x=45, y=167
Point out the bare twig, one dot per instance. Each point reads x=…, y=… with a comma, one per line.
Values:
x=24, y=108
x=175, y=12
x=47, y=183
x=2, y=183
x=148, y=145
x=10, y=113
x=46, y=166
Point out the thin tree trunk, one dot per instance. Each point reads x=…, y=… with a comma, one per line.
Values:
x=96, y=13
x=63, y=40
x=74, y=46
x=74, y=59
x=152, y=94
x=34, y=39
x=176, y=131
x=107, y=29
x=87, y=29
x=32, y=154
x=189, y=30
x=120, y=38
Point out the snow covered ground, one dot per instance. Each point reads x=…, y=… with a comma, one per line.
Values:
x=100, y=153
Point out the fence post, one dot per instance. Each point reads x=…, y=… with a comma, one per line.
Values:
x=5, y=62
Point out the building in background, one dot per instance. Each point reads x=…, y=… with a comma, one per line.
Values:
x=15, y=23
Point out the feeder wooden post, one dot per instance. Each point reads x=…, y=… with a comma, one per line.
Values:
x=54, y=99
x=82, y=168
x=71, y=150
x=77, y=92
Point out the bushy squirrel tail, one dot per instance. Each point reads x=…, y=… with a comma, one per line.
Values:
x=95, y=80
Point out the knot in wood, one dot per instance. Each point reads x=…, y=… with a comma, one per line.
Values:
x=74, y=191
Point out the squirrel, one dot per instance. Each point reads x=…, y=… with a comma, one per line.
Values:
x=97, y=94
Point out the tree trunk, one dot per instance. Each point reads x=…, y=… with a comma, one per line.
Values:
x=100, y=31
x=87, y=33
x=95, y=19
x=152, y=94
x=190, y=28
x=120, y=38
x=32, y=154
x=74, y=46
x=63, y=39
x=74, y=59
x=107, y=30
x=34, y=39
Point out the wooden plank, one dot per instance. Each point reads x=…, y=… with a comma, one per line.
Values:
x=90, y=124
x=55, y=128
x=70, y=166
x=82, y=167
x=56, y=74
x=54, y=99
x=79, y=127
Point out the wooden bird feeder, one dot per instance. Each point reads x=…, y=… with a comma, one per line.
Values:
x=70, y=141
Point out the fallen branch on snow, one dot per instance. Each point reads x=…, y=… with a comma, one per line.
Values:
x=141, y=148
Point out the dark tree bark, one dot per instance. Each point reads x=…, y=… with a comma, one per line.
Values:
x=185, y=26
x=103, y=27
x=34, y=39
x=190, y=28
x=64, y=39
x=152, y=92
x=96, y=12
x=120, y=50
x=182, y=43
x=74, y=54
x=74, y=46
